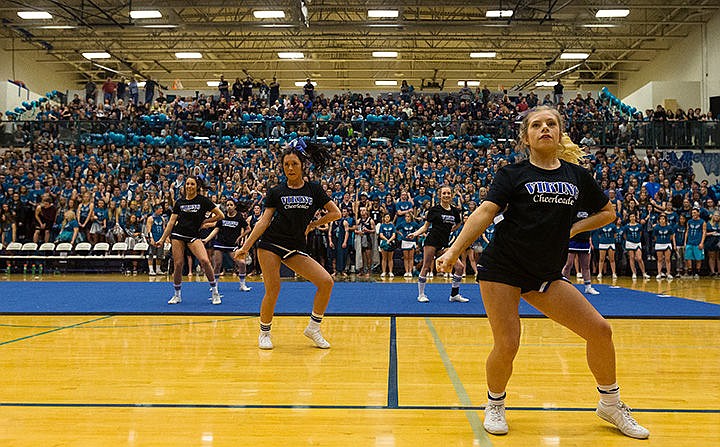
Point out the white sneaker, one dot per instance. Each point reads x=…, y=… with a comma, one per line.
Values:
x=245, y=288
x=429, y=275
x=659, y=276
x=599, y=276
x=646, y=276
x=176, y=299
x=423, y=298
x=495, y=422
x=382, y=275
x=669, y=277
x=458, y=299
x=590, y=290
x=316, y=336
x=265, y=340
x=634, y=276
x=696, y=276
x=619, y=415
x=151, y=272
x=390, y=275
x=407, y=275
x=579, y=275
x=216, y=298
x=614, y=276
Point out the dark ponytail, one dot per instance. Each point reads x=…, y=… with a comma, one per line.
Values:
x=309, y=153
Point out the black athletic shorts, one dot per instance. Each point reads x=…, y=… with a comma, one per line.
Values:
x=223, y=247
x=279, y=250
x=182, y=237
x=524, y=282
x=437, y=242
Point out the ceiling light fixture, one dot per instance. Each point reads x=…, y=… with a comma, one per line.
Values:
x=383, y=13
x=499, y=14
x=599, y=25
x=154, y=14
x=574, y=56
x=269, y=14
x=34, y=15
x=291, y=55
x=302, y=83
x=485, y=54
x=97, y=55
x=384, y=54
x=190, y=55
x=469, y=83
x=386, y=83
x=612, y=13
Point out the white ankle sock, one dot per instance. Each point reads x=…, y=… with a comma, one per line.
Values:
x=609, y=394
x=496, y=398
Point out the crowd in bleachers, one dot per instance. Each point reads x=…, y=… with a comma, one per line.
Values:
x=391, y=153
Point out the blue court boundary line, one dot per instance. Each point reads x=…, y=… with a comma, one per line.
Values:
x=336, y=407
x=393, y=366
x=344, y=314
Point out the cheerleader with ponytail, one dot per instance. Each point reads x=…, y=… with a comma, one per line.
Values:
x=540, y=198
x=282, y=232
x=183, y=228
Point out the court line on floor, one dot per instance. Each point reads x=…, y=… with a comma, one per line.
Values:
x=392, y=366
x=55, y=330
x=477, y=427
x=338, y=407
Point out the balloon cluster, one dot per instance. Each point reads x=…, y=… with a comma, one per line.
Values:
x=31, y=105
x=615, y=101
x=476, y=140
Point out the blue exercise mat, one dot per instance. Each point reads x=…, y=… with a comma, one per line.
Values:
x=348, y=298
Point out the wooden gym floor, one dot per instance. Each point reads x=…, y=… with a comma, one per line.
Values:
x=114, y=380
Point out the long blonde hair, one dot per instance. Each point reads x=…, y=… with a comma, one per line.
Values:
x=567, y=150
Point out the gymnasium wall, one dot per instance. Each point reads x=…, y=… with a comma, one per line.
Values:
x=39, y=78
x=689, y=72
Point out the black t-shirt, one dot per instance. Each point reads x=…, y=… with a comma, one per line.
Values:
x=294, y=209
x=230, y=229
x=191, y=214
x=532, y=239
x=442, y=222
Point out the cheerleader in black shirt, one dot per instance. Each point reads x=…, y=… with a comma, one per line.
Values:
x=188, y=216
x=226, y=237
x=282, y=230
x=441, y=220
x=540, y=198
